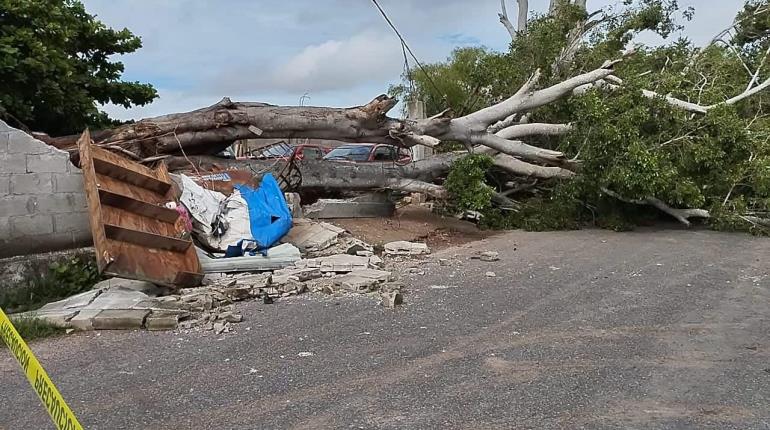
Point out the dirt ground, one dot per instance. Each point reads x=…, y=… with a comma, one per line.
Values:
x=414, y=223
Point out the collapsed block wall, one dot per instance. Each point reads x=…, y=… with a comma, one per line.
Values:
x=42, y=200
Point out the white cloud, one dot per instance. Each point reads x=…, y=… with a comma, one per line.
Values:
x=339, y=64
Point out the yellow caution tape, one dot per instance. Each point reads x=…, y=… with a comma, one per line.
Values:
x=60, y=413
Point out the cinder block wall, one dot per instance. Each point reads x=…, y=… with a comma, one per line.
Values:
x=42, y=201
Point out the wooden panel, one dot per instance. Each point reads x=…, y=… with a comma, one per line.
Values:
x=117, y=167
x=135, y=236
x=103, y=257
x=149, y=240
x=115, y=186
x=138, y=207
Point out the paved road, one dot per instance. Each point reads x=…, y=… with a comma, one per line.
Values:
x=587, y=329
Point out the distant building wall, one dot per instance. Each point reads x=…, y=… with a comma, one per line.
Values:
x=42, y=201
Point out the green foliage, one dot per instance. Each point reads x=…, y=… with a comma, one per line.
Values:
x=34, y=328
x=466, y=183
x=631, y=144
x=63, y=279
x=55, y=66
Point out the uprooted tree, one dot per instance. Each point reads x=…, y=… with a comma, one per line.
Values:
x=572, y=120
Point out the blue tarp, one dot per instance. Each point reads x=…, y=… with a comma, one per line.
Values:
x=269, y=215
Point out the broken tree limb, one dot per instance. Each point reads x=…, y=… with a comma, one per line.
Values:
x=681, y=215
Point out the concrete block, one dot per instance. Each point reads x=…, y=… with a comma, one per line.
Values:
x=335, y=208
x=17, y=205
x=119, y=319
x=161, y=322
x=22, y=143
x=5, y=185
x=62, y=203
x=13, y=163
x=71, y=222
x=5, y=137
x=402, y=247
x=84, y=319
x=48, y=163
x=68, y=183
x=32, y=183
x=31, y=225
x=5, y=228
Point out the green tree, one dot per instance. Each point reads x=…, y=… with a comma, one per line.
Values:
x=636, y=146
x=55, y=67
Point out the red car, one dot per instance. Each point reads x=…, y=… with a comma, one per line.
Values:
x=284, y=150
x=369, y=153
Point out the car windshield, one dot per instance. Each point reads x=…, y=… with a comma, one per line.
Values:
x=351, y=152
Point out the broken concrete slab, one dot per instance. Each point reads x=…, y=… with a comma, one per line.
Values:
x=145, y=287
x=402, y=247
x=119, y=319
x=83, y=321
x=360, y=248
x=303, y=274
x=338, y=263
x=74, y=302
x=55, y=317
x=161, y=321
x=277, y=257
x=311, y=236
x=117, y=299
x=349, y=208
x=363, y=280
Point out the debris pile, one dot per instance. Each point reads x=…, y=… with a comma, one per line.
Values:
x=217, y=249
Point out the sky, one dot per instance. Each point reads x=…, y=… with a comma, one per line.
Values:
x=335, y=52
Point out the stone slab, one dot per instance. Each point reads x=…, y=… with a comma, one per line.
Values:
x=119, y=319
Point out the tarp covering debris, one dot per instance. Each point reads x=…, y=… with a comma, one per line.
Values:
x=248, y=215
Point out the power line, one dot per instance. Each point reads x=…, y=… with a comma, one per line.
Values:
x=404, y=45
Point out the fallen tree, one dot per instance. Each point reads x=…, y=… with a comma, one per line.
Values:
x=575, y=126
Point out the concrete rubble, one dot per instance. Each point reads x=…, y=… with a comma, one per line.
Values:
x=368, y=205
x=403, y=247
x=334, y=263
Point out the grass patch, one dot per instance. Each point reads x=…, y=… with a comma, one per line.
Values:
x=63, y=279
x=35, y=328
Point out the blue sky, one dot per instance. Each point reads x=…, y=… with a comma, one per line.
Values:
x=339, y=52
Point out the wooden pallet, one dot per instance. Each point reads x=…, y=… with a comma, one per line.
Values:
x=134, y=234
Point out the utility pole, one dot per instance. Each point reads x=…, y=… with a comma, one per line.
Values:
x=415, y=109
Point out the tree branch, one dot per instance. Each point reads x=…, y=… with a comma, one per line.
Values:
x=503, y=15
x=681, y=215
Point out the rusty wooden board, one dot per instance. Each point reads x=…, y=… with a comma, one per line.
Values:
x=135, y=235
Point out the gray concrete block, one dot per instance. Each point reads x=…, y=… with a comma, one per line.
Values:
x=71, y=222
x=31, y=225
x=32, y=183
x=17, y=205
x=5, y=184
x=4, y=138
x=334, y=208
x=5, y=227
x=62, y=203
x=48, y=163
x=21, y=143
x=13, y=163
x=119, y=319
x=68, y=183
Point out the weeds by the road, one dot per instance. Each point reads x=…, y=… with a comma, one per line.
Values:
x=63, y=279
x=35, y=328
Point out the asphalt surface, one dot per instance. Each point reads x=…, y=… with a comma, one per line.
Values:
x=587, y=329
